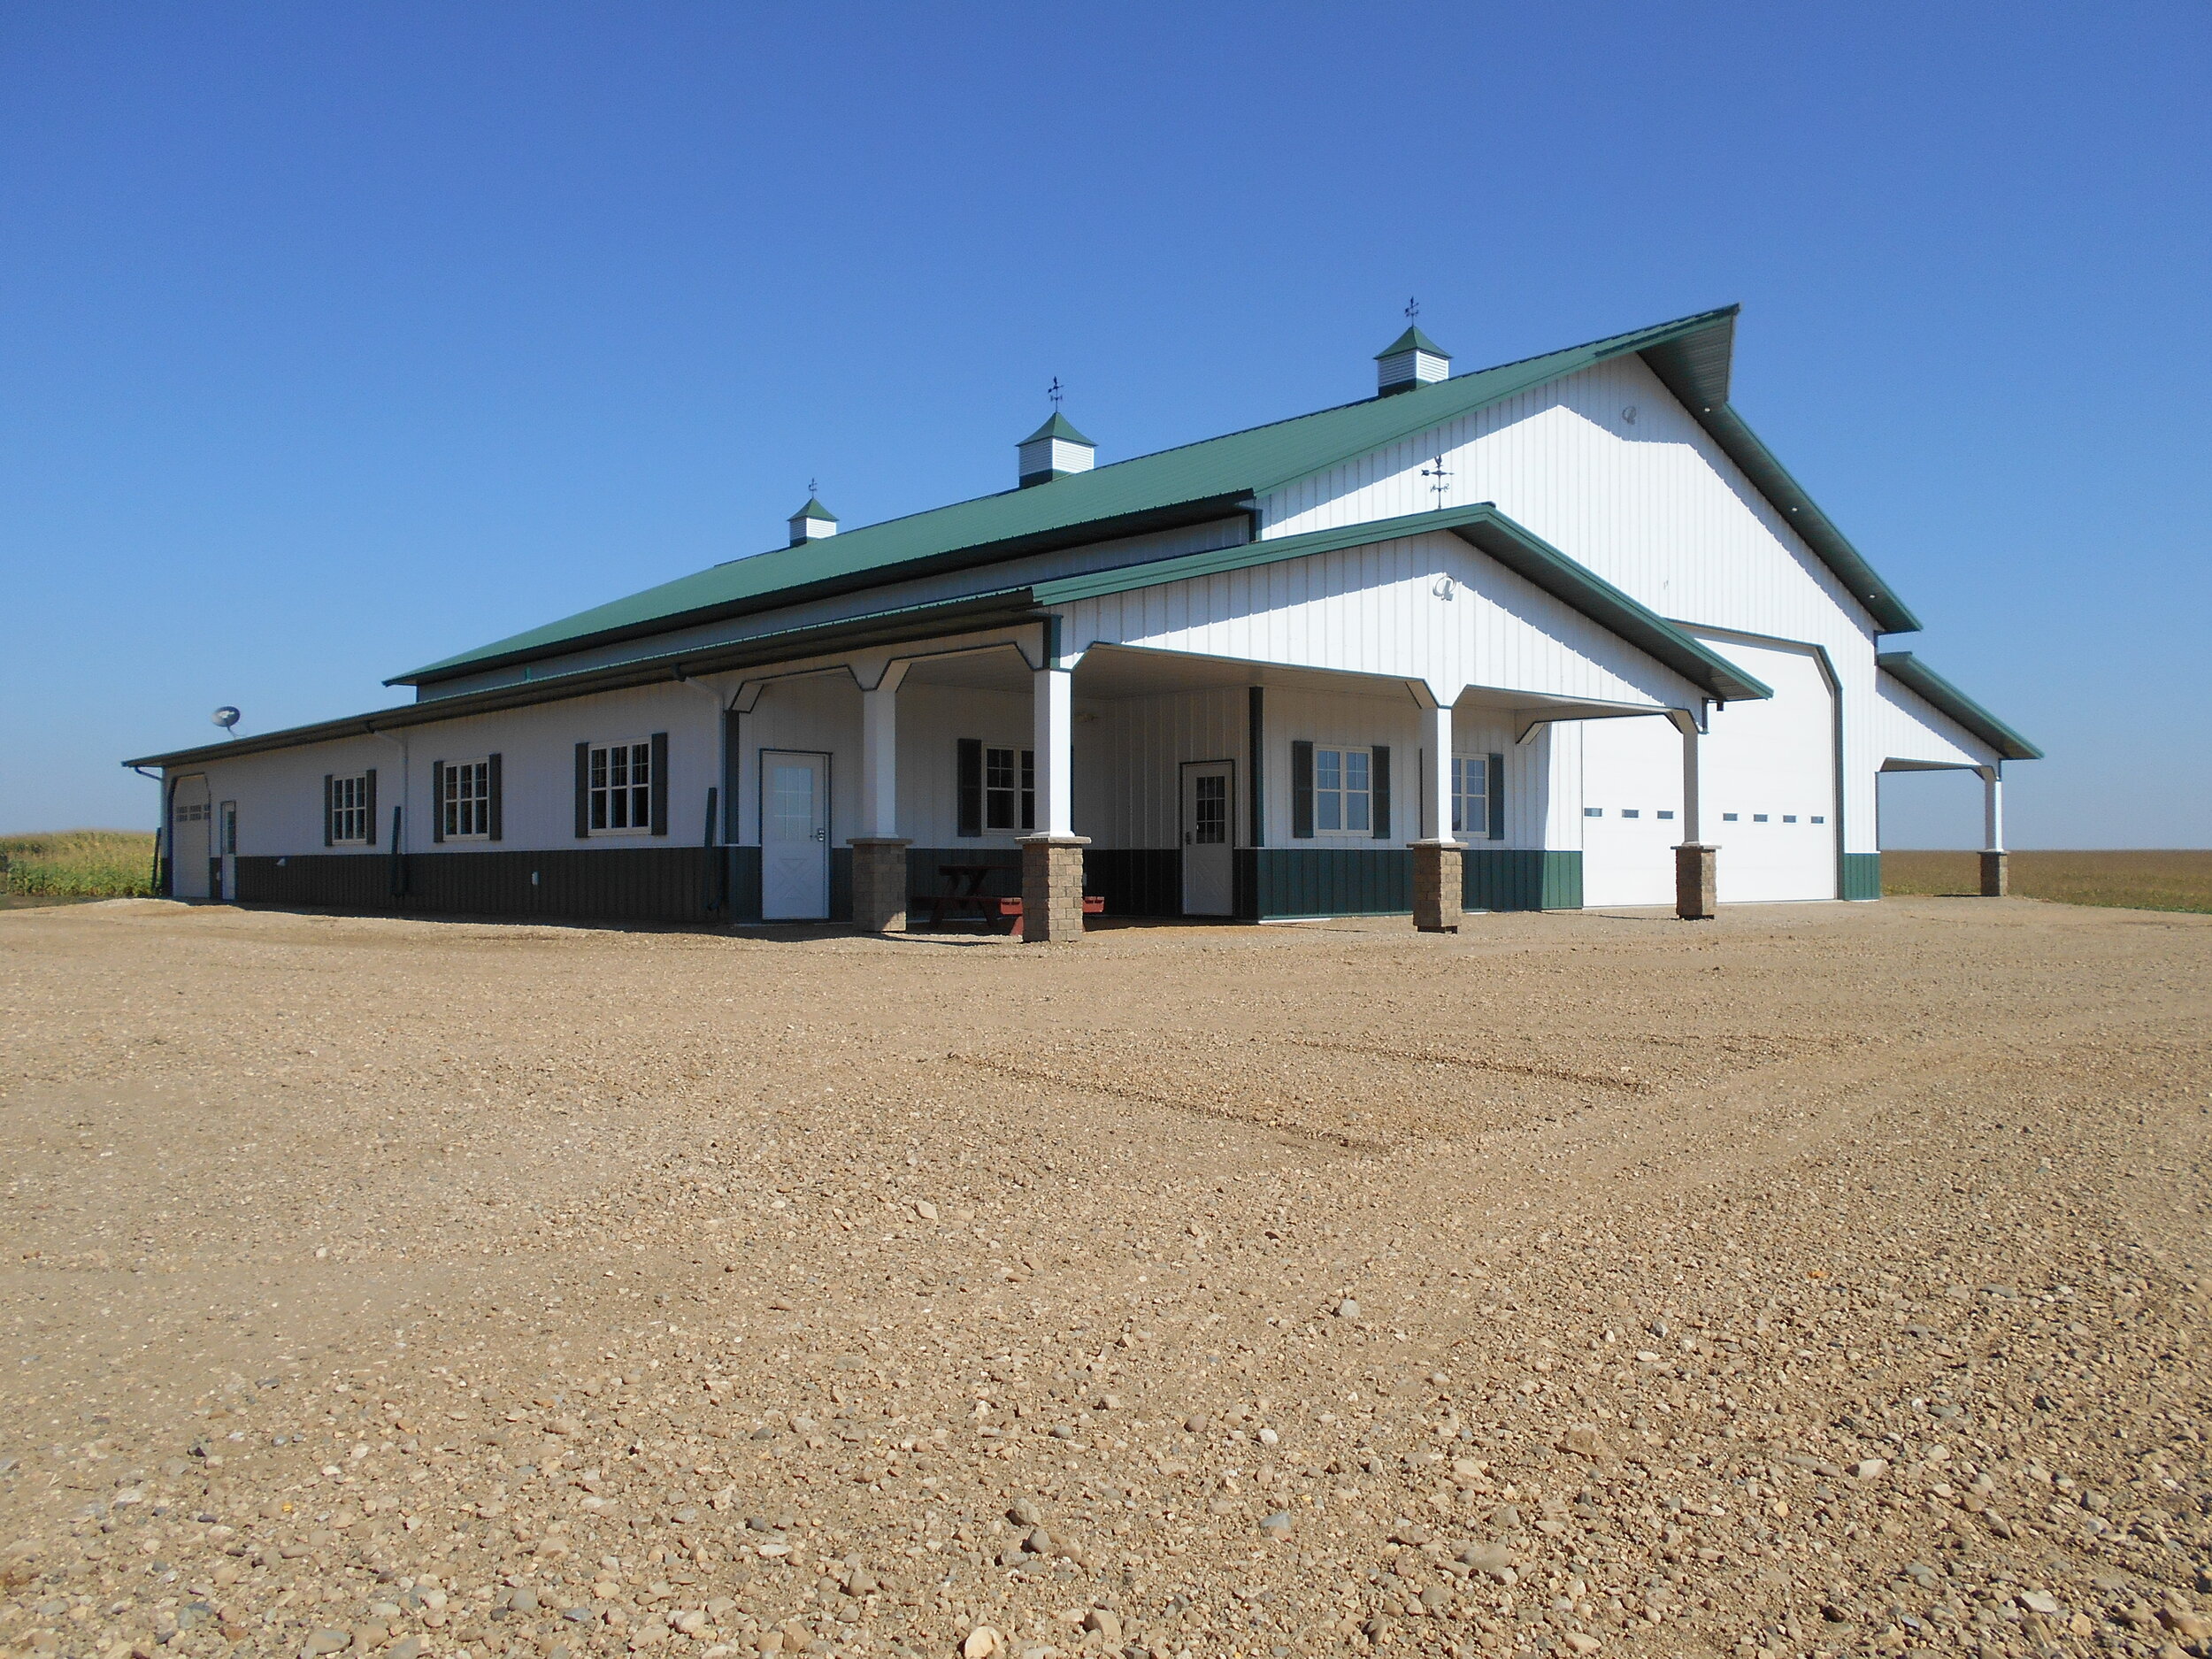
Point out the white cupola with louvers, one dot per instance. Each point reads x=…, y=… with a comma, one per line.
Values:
x=1056, y=450
x=1409, y=362
x=813, y=522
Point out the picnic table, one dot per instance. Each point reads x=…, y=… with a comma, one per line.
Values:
x=961, y=895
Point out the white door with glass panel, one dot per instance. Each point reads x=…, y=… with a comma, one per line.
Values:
x=1209, y=839
x=191, y=838
x=793, y=836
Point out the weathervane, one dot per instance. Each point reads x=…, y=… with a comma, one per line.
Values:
x=813, y=488
x=1054, y=393
x=1413, y=309
x=1436, y=470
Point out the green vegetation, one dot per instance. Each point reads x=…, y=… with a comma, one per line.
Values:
x=79, y=863
x=2132, y=881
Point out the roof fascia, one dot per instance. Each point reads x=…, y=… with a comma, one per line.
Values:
x=1830, y=545
x=1915, y=676
x=882, y=627
x=1173, y=516
x=1490, y=533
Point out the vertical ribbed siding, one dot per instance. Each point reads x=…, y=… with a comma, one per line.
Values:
x=1653, y=506
x=640, y=884
x=1520, y=879
x=1862, y=875
x=1332, y=881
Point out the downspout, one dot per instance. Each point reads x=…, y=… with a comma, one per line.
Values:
x=400, y=814
x=718, y=901
x=157, y=882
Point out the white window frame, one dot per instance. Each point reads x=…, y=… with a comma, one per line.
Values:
x=1474, y=768
x=1340, y=799
x=349, y=810
x=472, y=808
x=1014, y=796
x=602, y=791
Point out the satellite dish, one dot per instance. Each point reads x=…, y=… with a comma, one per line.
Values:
x=226, y=716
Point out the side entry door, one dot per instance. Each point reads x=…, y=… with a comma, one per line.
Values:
x=793, y=836
x=1208, y=838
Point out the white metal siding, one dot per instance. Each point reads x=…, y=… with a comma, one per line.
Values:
x=1911, y=728
x=1652, y=505
x=1376, y=611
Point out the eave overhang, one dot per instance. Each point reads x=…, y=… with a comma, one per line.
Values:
x=1915, y=676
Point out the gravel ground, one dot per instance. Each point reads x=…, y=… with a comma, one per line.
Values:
x=1825, y=1279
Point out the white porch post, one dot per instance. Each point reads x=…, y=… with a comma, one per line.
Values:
x=1054, y=710
x=1052, y=854
x=879, y=754
x=879, y=852
x=1439, y=875
x=1696, y=862
x=1436, y=794
x=1996, y=876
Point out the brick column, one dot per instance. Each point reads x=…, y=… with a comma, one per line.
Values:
x=880, y=883
x=1436, y=886
x=1996, y=876
x=1696, y=877
x=1052, y=888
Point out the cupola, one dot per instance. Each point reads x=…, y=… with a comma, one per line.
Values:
x=1409, y=362
x=1053, y=451
x=813, y=522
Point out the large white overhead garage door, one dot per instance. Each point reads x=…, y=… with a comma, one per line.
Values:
x=1631, y=794
x=1769, y=779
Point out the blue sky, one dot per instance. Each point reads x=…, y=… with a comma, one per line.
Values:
x=338, y=339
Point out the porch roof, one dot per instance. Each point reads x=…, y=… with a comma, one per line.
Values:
x=1910, y=671
x=1488, y=531
x=1212, y=478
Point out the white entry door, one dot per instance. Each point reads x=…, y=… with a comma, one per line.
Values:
x=793, y=836
x=190, y=842
x=1209, y=839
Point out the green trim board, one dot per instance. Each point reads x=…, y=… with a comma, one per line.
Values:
x=1862, y=876
x=1915, y=676
x=1215, y=478
x=1482, y=528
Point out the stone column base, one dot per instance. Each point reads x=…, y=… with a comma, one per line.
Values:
x=1436, y=886
x=1996, y=876
x=880, y=883
x=1052, y=888
x=1696, y=880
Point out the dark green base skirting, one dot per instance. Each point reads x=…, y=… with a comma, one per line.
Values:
x=1862, y=875
x=712, y=885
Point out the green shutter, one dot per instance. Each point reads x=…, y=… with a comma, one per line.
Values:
x=1381, y=781
x=970, y=764
x=1301, y=791
x=494, y=802
x=1495, y=795
x=368, y=796
x=437, y=801
x=660, y=783
x=1256, y=732
x=329, y=783
x=583, y=790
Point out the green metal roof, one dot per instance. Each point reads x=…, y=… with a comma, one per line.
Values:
x=1484, y=527
x=1058, y=428
x=1910, y=671
x=1412, y=339
x=815, y=510
x=1212, y=478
